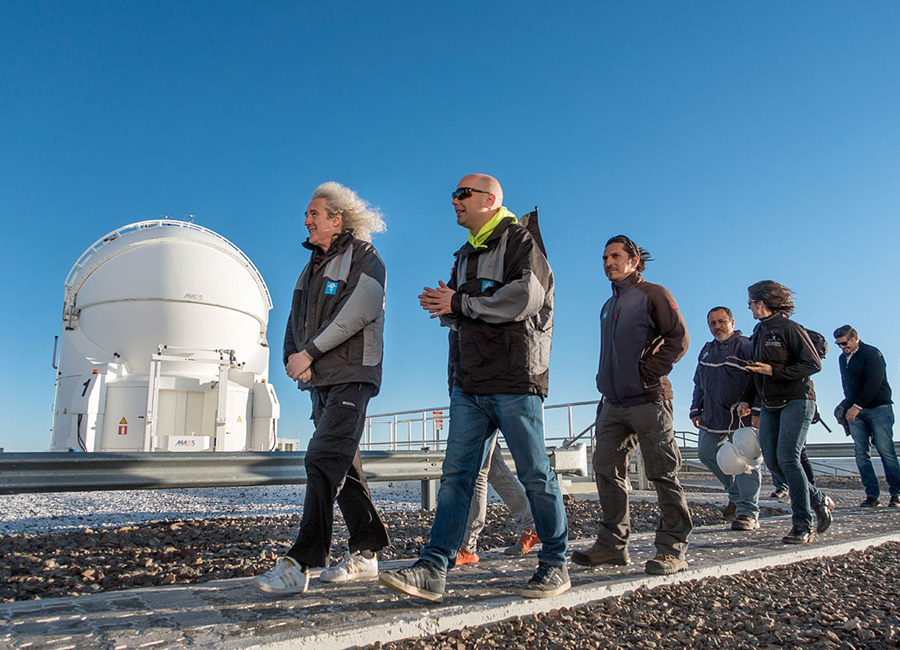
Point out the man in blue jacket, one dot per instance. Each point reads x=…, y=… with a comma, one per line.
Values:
x=642, y=336
x=719, y=382
x=869, y=413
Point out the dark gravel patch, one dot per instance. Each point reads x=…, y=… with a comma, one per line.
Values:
x=196, y=551
x=844, y=602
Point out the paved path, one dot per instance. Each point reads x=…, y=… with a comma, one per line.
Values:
x=230, y=614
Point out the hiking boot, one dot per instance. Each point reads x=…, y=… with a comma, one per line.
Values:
x=353, y=567
x=729, y=511
x=523, y=545
x=823, y=513
x=422, y=579
x=745, y=522
x=286, y=577
x=664, y=565
x=597, y=555
x=465, y=557
x=548, y=581
x=799, y=536
x=870, y=502
x=894, y=502
x=778, y=494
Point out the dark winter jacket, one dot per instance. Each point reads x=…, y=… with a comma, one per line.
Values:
x=864, y=378
x=502, y=315
x=643, y=335
x=719, y=384
x=785, y=345
x=337, y=314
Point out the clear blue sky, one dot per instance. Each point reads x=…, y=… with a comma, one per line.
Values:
x=736, y=141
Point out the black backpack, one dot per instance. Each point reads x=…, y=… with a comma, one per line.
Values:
x=819, y=343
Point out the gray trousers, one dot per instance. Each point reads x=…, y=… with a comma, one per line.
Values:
x=619, y=430
x=507, y=487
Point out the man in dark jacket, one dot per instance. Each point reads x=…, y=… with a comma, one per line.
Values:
x=719, y=382
x=869, y=413
x=642, y=336
x=333, y=348
x=499, y=308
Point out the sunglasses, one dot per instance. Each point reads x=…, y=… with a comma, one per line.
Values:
x=461, y=193
x=843, y=344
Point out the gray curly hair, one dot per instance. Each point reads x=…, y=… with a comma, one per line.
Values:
x=359, y=217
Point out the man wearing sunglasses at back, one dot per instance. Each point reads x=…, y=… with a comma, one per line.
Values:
x=498, y=305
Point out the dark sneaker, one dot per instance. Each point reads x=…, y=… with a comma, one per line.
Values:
x=823, y=514
x=870, y=502
x=745, y=522
x=729, y=511
x=664, y=565
x=597, y=555
x=422, y=579
x=894, y=502
x=548, y=581
x=778, y=494
x=799, y=536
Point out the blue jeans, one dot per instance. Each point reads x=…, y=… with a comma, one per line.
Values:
x=743, y=489
x=876, y=425
x=473, y=421
x=782, y=434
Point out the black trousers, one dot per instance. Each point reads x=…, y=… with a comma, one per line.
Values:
x=334, y=472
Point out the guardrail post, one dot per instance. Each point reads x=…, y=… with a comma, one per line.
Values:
x=643, y=482
x=429, y=491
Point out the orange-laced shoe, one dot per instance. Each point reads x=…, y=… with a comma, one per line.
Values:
x=524, y=544
x=465, y=557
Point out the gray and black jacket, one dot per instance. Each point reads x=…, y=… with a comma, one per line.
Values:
x=719, y=383
x=502, y=315
x=642, y=336
x=337, y=314
x=786, y=346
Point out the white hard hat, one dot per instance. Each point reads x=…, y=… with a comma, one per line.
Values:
x=730, y=461
x=746, y=442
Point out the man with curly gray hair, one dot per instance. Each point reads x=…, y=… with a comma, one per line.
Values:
x=333, y=348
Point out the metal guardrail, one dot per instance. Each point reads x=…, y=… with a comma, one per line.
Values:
x=22, y=473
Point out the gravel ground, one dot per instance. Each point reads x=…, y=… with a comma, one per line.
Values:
x=850, y=601
x=162, y=553
x=93, y=552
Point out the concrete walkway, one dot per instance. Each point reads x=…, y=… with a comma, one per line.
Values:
x=230, y=614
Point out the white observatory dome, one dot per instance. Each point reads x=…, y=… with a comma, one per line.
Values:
x=163, y=345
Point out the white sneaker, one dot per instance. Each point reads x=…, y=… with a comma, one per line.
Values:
x=286, y=577
x=353, y=567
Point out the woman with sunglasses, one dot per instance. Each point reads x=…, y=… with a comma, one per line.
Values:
x=784, y=359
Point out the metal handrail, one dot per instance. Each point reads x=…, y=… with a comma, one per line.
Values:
x=22, y=473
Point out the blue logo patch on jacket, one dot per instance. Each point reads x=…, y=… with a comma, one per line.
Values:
x=486, y=284
x=331, y=288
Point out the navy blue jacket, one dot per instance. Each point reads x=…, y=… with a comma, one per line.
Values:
x=719, y=383
x=864, y=378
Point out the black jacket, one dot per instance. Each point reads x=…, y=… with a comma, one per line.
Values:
x=864, y=378
x=785, y=345
x=502, y=315
x=337, y=314
x=719, y=383
x=642, y=336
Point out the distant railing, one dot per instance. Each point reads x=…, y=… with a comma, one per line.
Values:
x=411, y=430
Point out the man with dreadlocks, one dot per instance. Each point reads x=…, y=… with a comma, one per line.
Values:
x=642, y=335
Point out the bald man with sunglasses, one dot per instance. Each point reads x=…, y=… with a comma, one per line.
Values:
x=498, y=306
